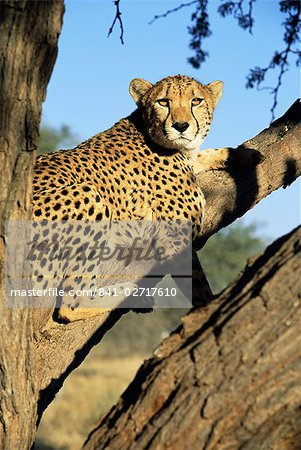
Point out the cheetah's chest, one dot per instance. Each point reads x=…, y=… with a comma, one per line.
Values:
x=165, y=185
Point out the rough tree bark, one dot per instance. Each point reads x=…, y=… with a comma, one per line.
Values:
x=28, y=49
x=62, y=348
x=229, y=376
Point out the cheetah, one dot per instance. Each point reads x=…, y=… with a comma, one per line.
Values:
x=145, y=167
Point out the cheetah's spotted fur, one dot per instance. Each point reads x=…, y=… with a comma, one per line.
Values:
x=145, y=166
x=123, y=173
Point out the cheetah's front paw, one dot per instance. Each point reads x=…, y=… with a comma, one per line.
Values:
x=112, y=298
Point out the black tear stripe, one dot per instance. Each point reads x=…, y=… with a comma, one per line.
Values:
x=164, y=123
x=197, y=123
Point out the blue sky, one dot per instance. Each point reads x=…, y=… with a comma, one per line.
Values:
x=89, y=87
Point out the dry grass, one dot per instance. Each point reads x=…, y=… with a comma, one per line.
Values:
x=97, y=384
x=89, y=392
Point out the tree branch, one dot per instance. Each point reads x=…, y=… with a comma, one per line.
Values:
x=229, y=196
x=173, y=10
x=244, y=188
x=245, y=19
x=242, y=11
x=280, y=59
x=228, y=377
x=117, y=18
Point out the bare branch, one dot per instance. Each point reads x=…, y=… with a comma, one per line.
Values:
x=171, y=11
x=199, y=30
x=117, y=18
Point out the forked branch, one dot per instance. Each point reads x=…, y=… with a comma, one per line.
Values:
x=118, y=19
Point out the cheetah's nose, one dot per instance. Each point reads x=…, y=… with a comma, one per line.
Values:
x=180, y=126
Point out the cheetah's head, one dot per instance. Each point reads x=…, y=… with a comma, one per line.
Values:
x=177, y=111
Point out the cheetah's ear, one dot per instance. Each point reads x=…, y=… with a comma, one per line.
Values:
x=138, y=87
x=216, y=88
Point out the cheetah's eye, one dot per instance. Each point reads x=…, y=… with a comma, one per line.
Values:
x=196, y=101
x=163, y=102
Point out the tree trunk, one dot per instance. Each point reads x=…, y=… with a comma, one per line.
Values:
x=28, y=49
x=229, y=376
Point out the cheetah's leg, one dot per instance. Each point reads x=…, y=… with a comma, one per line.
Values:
x=81, y=311
x=201, y=290
x=225, y=158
